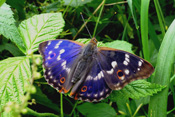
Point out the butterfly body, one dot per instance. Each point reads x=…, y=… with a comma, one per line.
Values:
x=84, y=62
x=88, y=72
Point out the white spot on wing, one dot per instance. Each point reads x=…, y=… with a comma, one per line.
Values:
x=54, y=80
x=126, y=71
x=88, y=95
x=51, y=77
x=114, y=64
x=122, y=78
x=101, y=93
x=47, y=80
x=127, y=59
x=138, y=69
x=49, y=43
x=59, y=57
x=116, y=85
x=49, y=72
x=140, y=63
x=110, y=71
x=95, y=95
x=50, y=52
x=125, y=62
x=95, y=78
x=99, y=75
x=126, y=55
x=64, y=63
x=58, y=44
x=62, y=51
x=68, y=70
x=88, y=77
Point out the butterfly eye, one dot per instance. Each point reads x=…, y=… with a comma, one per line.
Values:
x=62, y=80
x=120, y=74
x=52, y=55
x=84, y=89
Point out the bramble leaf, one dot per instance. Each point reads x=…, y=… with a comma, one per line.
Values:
x=8, y=28
x=40, y=28
x=15, y=73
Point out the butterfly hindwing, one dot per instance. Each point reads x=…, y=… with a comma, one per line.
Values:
x=120, y=67
x=94, y=87
x=58, y=59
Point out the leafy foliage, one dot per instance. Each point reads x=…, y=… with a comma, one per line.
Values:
x=25, y=24
x=96, y=110
x=8, y=27
x=40, y=28
x=15, y=74
x=140, y=88
x=76, y=3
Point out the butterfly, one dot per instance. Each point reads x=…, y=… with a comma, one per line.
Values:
x=88, y=72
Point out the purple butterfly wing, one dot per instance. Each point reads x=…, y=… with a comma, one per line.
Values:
x=58, y=59
x=94, y=87
x=120, y=67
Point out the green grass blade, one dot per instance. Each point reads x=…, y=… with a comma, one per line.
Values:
x=160, y=17
x=132, y=12
x=165, y=60
x=95, y=29
x=61, y=105
x=153, y=35
x=144, y=27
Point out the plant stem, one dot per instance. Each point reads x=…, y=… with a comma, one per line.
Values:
x=67, y=7
x=88, y=19
x=61, y=104
x=74, y=108
x=36, y=114
x=98, y=19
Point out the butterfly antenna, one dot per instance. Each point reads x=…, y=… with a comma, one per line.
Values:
x=85, y=25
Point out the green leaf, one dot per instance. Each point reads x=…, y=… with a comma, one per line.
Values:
x=144, y=28
x=40, y=28
x=121, y=45
x=15, y=73
x=141, y=88
x=8, y=28
x=83, y=40
x=121, y=99
x=163, y=73
x=19, y=6
x=2, y=2
x=11, y=48
x=96, y=110
x=86, y=41
x=76, y=3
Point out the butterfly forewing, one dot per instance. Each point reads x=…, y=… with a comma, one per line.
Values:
x=59, y=56
x=121, y=67
x=94, y=87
